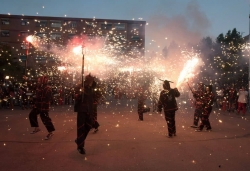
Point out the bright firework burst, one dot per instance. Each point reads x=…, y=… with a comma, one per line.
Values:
x=189, y=68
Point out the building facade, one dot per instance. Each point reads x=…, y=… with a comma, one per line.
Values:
x=14, y=29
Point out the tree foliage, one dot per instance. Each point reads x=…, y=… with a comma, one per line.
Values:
x=224, y=61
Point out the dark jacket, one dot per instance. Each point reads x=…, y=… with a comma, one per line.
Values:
x=199, y=99
x=84, y=103
x=167, y=100
x=43, y=98
x=208, y=99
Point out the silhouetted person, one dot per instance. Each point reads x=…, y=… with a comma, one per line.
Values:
x=85, y=111
x=198, y=96
x=41, y=106
x=208, y=100
x=168, y=103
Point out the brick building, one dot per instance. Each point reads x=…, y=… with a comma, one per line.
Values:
x=15, y=28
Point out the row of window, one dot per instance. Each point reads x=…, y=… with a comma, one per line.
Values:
x=56, y=36
x=72, y=24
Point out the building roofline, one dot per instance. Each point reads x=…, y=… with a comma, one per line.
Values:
x=68, y=18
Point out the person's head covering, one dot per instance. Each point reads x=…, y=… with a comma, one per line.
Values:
x=89, y=79
x=166, y=84
x=210, y=88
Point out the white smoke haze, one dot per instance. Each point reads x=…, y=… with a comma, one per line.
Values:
x=182, y=29
x=176, y=33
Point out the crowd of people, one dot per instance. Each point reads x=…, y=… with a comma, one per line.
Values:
x=231, y=99
x=38, y=95
x=22, y=94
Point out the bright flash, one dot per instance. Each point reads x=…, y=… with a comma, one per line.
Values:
x=77, y=50
x=29, y=38
x=188, y=70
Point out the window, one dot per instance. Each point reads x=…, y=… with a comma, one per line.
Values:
x=71, y=35
x=71, y=24
x=4, y=43
x=119, y=26
x=55, y=36
x=51, y=59
x=54, y=23
x=5, y=33
x=107, y=26
x=5, y=21
x=90, y=24
x=41, y=23
x=24, y=33
x=41, y=35
x=40, y=59
x=121, y=37
x=135, y=26
x=24, y=22
x=135, y=38
x=22, y=58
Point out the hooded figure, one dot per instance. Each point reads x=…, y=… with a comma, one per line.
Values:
x=84, y=106
x=168, y=103
x=41, y=106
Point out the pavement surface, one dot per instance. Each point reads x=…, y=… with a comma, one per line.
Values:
x=125, y=144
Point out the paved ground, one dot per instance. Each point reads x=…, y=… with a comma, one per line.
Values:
x=123, y=143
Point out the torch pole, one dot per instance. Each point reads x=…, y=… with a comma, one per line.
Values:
x=190, y=88
x=82, y=75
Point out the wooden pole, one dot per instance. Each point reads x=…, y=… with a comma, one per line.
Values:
x=82, y=74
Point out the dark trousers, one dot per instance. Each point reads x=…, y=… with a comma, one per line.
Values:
x=140, y=114
x=170, y=119
x=96, y=124
x=140, y=110
x=242, y=106
x=205, y=119
x=197, y=115
x=44, y=117
x=84, y=124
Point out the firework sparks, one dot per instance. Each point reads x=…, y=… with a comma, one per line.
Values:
x=188, y=70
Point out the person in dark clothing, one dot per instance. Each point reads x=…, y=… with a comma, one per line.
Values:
x=11, y=93
x=97, y=97
x=141, y=103
x=41, y=106
x=198, y=95
x=232, y=99
x=84, y=106
x=167, y=101
x=207, y=109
